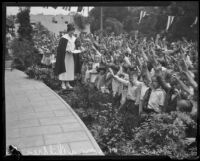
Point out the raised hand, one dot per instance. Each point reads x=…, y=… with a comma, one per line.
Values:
x=184, y=65
x=158, y=69
x=111, y=71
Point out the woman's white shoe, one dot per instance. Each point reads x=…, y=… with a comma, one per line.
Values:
x=70, y=87
x=63, y=86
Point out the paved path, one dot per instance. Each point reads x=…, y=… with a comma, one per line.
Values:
x=39, y=122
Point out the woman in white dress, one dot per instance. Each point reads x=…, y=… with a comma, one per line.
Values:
x=64, y=67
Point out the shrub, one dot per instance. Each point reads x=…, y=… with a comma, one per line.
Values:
x=158, y=134
x=162, y=134
x=80, y=21
x=108, y=130
x=44, y=74
x=23, y=52
x=25, y=28
x=114, y=25
x=44, y=40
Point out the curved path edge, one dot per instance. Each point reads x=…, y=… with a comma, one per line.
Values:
x=40, y=122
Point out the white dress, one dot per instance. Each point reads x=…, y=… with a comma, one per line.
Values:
x=69, y=60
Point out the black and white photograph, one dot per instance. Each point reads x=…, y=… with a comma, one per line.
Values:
x=101, y=80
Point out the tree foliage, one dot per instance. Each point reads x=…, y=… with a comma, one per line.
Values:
x=24, y=53
x=44, y=40
x=162, y=134
x=113, y=25
x=154, y=22
x=114, y=15
x=25, y=28
x=80, y=21
x=23, y=48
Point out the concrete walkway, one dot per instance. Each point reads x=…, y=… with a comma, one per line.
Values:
x=39, y=122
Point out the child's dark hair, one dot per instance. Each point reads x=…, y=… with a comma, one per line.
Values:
x=163, y=63
x=185, y=105
x=125, y=68
x=126, y=53
x=149, y=66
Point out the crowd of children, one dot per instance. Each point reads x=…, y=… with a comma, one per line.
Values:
x=143, y=74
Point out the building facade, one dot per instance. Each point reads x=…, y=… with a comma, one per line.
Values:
x=57, y=24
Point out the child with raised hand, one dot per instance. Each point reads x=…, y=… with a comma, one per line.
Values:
x=101, y=78
x=187, y=100
x=154, y=97
x=93, y=72
x=123, y=88
x=116, y=87
x=131, y=106
x=87, y=73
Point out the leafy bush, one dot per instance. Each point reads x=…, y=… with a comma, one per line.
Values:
x=86, y=96
x=100, y=116
x=25, y=28
x=80, y=21
x=37, y=72
x=162, y=134
x=108, y=130
x=115, y=25
x=44, y=74
x=158, y=134
x=44, y=40
x=24, y=53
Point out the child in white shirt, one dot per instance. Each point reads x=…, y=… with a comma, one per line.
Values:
x=92, y=73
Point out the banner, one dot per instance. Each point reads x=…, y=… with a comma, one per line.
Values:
x=66, y=8
x=142, y=14
x=169, y=21
x=195, y=22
